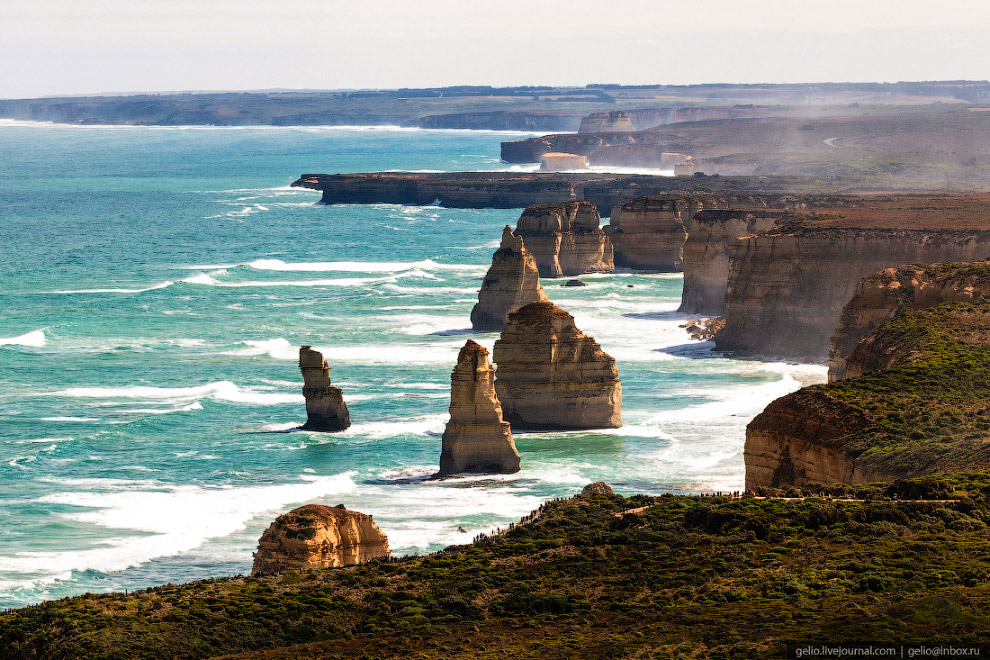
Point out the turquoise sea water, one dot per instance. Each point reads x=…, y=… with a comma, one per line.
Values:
x=155, y=284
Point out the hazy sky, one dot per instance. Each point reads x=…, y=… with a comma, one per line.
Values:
x=90, y=46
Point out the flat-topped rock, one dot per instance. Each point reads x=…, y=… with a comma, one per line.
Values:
x=561, y=162
x=550, y=375
x=325, y=407
x=316, y=536
x=513, y=280
x=566, y=239
x=476, y=439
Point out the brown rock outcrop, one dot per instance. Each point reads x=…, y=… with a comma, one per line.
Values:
x=597, y=489
x=512, y=281
x=325, y=407
x=317, y=536
x=476, y=439
x=895, y=290
x=787, y=286
x=550, y=375
x=566, y=239
x=615, y=121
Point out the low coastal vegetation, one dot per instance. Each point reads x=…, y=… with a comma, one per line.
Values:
x=589, y=577
x=930, y=410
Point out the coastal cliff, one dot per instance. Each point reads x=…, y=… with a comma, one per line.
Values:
x=513, y=280
x=317, y=536
x=615, y=121
x=896, y=290
x=919, y=407
x=649, y=232
x=550, y=375
x=325, y=407
x=787, y=286
x=566, y=239
x=706, y=251
x=476, y=439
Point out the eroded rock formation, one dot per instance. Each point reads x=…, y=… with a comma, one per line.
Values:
x=597, y=489
x=325, y=407
x=317, y=536
x=787, y=286
x=550, y=375
x=513, y=280
x=566, y=239
x=897, y=290
x=476, y=439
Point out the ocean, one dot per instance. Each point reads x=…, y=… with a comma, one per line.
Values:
x=155, y=285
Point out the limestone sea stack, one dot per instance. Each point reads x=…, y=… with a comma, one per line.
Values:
x=325, y=407
x=550, y=375
x=560, y=162
x=566, y=239
x=476, y=439
x=317, y=536
x=512, y=281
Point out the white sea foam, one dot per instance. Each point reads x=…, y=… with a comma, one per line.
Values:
x=69, y=419
x=160, y=285
x=356, y=266
x=174, y=519
x=279, y=348
x=220, y=391
x=34, y=339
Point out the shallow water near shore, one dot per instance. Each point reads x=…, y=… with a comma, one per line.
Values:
x=155, y=285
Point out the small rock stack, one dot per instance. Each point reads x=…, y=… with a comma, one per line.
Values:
x=325, y=407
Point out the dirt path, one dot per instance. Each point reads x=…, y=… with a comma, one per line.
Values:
x=792, y=499
x=831, y=142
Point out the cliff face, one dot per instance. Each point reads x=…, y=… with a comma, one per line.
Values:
x=512, y=281
x=565, y=239
x=918, y=408
x=325, y=407
x=787, y=286
x=896, y=290
x=615, y=121
x=648, y=233
x=794, y=441
x=552, y=376
x=639, y=149
x=476, y=438
x=706, y=252
x=316, y=536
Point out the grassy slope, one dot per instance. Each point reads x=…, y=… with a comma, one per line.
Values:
x=931, y=411
x=690, y=576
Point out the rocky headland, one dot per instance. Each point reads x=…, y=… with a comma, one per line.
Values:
x=476, y=439
x=513, y=280
x=325, y=407
x=895, y=291
x=317, y=536
x=566, y=239
x=787, y=285
x=550, y=375
x=918, y=408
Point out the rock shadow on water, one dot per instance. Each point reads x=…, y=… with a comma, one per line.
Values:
x=695, y=350
x=672, y=315
x=452, y=333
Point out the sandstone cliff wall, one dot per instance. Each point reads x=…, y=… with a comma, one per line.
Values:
x=551, y=375
x=706, y=251
x=476, y=439
x=787, y=287
x=325, y=407
x=317, y=536
x=513, y=280
x=893, y=290
x=566, y=239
